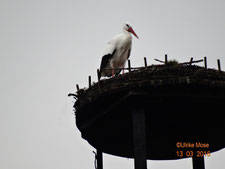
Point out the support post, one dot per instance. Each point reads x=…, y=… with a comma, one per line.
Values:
x=191, y=60
x=145, y=61
x=198, y=162
x=99, y=159
x=166, y=59
x=77, y=86
x=98, y=74
x=218, y=63
x=129, y=66
x=205, y=62
x=89, y=81
x=139, y=139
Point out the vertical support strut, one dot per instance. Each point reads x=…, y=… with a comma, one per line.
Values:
x=205, y=62
x=129, y=66
x=99, y=159
x=166, y=59
x=98, y=75
x=198, y=162
x=218, y=63
x=191, y=60
x=139, y=139
x=89, y=81
x=77, y=86
x=145, y=61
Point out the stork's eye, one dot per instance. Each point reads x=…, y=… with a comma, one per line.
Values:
x=127, y=25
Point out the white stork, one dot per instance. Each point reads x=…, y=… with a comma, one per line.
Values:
x=117, y=52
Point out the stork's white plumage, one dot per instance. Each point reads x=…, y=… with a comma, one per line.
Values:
x=117, y=52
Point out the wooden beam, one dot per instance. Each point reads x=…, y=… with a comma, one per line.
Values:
x=198, y=162
x=139, y=139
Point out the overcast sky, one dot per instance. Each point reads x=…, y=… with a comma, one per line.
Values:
x=48, y=46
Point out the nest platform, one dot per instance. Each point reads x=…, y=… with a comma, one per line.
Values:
x=181, y=104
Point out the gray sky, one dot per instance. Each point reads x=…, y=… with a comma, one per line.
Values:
x=48, y=46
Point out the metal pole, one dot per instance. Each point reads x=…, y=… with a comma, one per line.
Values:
x=198, y=162
x=139, y=139
x=99, y=159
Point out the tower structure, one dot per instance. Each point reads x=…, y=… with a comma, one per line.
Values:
x=159, y=112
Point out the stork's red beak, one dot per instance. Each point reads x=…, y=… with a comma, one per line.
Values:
x=132, y=31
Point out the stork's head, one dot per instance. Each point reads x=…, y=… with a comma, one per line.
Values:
x=128, y=28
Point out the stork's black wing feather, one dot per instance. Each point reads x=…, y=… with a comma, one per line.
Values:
x=105, y=60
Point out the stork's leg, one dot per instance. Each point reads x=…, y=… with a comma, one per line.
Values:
x=123, y=71
x=113, y=71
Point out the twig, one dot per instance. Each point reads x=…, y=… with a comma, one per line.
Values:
x=196, y=61
x=159, y=61
x=184, y=63
x=72, y=94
